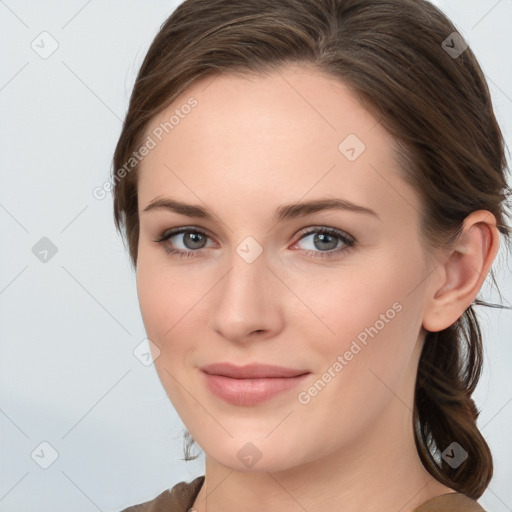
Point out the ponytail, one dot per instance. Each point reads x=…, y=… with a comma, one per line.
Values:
x=444, y=411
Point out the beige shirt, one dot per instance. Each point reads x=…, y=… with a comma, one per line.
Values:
x=181, y=498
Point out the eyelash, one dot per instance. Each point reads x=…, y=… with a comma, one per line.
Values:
x=349, y=241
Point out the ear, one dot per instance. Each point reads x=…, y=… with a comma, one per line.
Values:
x=464, y=269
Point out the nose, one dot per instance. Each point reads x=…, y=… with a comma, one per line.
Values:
x=246, y=302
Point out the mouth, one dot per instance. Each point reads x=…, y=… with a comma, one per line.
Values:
x=250, y=384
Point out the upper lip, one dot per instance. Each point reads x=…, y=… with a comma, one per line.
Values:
x=251, y=371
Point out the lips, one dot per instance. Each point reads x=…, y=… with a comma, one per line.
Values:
x=250, y=384
x=251, y=371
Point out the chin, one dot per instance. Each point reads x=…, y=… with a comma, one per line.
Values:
x=255, y=454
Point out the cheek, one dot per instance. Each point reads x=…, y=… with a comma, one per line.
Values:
x=375, y=327
x=367, y=313
x=160, y=299
x=167, y=309
x=152, y=299
x=172, y=303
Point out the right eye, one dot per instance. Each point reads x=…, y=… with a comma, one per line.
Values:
x=192, y=241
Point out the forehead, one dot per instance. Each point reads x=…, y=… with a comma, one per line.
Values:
x=293, y=105
x=289, y=133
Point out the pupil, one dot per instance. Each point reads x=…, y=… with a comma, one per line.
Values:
x=323, y=238
x=195, y=239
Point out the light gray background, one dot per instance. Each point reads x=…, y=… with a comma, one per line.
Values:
x=68, y=375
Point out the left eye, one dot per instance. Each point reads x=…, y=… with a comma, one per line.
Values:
x=324, y=242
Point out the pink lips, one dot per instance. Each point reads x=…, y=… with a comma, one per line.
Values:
x=250, y=384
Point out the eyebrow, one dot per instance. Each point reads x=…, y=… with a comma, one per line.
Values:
x=282, y=213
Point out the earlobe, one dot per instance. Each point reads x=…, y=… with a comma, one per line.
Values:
x=465, y=268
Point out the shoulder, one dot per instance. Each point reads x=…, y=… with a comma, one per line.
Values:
x=178, y=499
x=451, y=502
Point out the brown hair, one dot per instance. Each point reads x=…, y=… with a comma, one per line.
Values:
x=395, y=56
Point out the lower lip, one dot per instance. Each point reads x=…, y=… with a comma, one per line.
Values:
x=249, y=392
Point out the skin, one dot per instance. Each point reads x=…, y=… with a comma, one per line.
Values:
x=249, y=146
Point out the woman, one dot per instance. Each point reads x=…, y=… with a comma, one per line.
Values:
x=315, y=377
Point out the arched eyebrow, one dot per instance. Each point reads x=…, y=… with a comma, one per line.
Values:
x=282, y=213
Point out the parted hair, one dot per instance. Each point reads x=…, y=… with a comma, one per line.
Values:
x=408, y=66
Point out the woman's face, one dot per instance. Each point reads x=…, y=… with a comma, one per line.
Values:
x=258, y=281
